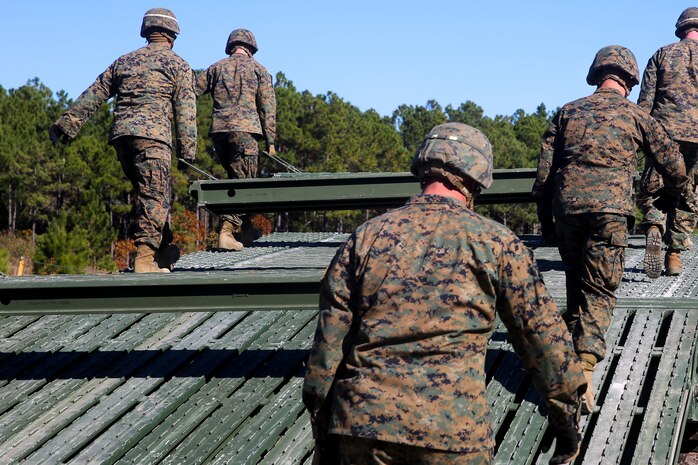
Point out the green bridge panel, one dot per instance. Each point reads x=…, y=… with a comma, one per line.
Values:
x=205, y=365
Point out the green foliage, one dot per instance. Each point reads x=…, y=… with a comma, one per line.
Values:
x=414, y=122
x=76, y=201
x=94, y=218
x=27, y=167
x=323, y=133
x=63, y=249
x=4, y=261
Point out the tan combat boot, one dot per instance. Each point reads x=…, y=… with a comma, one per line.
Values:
x=672, y=262
x=588, y=363
x=226, y=239
x=653, y=253
x=145, y=261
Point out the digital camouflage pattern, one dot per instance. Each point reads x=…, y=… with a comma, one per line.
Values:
x=669, y=92
x=592, y=247
x=588, y=156
x=241, y=36
x=153, y=86
x=360, y=451
x=611, y=60
x=406, y=310
x=243, y=96
x=146, y=164
x=160, y=18
x=238, y=154
x=244, y=110
x=676, y=225
x=461, y=149
x=586, y=168
x=687, y=20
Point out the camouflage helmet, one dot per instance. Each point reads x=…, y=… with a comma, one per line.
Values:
x=241, y=36
x=459, y=149
x=161, y=18
x=687, y=20
x=614, y=58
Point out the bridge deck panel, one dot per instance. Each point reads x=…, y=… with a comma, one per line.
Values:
x=202, y=386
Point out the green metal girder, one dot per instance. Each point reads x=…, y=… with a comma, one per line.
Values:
x=175, y=292
x=340, y=191
x=189, y=291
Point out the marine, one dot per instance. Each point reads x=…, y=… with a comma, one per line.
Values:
x=244, y=112
x=154, y=87
x=584, y=181
x=669, y=92
x=396, y=372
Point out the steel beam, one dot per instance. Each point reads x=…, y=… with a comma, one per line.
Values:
x=340, y=191
x=192, y=291
x=172, y=292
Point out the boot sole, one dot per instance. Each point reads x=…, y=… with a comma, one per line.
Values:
x=653, y=254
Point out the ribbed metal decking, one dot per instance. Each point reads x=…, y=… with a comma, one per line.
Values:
x=213, y=387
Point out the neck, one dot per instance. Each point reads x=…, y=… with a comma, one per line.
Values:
x=439, y=188
x=241, y=51
x=160, y=38
x=611, y=84
x=691, y=35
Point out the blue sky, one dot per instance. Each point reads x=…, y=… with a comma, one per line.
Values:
x=502, y=55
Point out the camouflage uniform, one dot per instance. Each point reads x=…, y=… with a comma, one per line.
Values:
x=406, y=310
x=670, y=93
x=153, y=86
x=244, y=103
x=586, y=169
x=360, y=451
x=244, y=109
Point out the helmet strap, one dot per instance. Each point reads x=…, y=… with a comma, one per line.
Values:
x=619, y=80
x=430, y=172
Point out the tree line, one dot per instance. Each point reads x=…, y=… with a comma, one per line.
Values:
x=72, y=202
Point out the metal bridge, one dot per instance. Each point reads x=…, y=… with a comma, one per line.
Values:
x=205, y=365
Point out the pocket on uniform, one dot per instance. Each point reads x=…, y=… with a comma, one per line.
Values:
x=619, y=238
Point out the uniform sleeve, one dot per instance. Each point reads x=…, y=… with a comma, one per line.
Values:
x=649, y=85
x=542, y=187
x=184, y=107
x=537, y=331
x=266, y=107
x=666, y=156
x=334, y=323
x=89, y=101
x=202, y=83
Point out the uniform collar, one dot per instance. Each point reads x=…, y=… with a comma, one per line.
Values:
x=434, y=199
x=608, y=90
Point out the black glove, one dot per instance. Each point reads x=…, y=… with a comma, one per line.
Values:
x=567, y=437
x=56, y=134
x=181, y=164
x=666, y=202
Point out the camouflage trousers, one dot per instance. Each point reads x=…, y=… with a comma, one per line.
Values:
x=146, y=163
x=676, y=225
x=360, y=451
x=237, y=152
x=592, y=247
